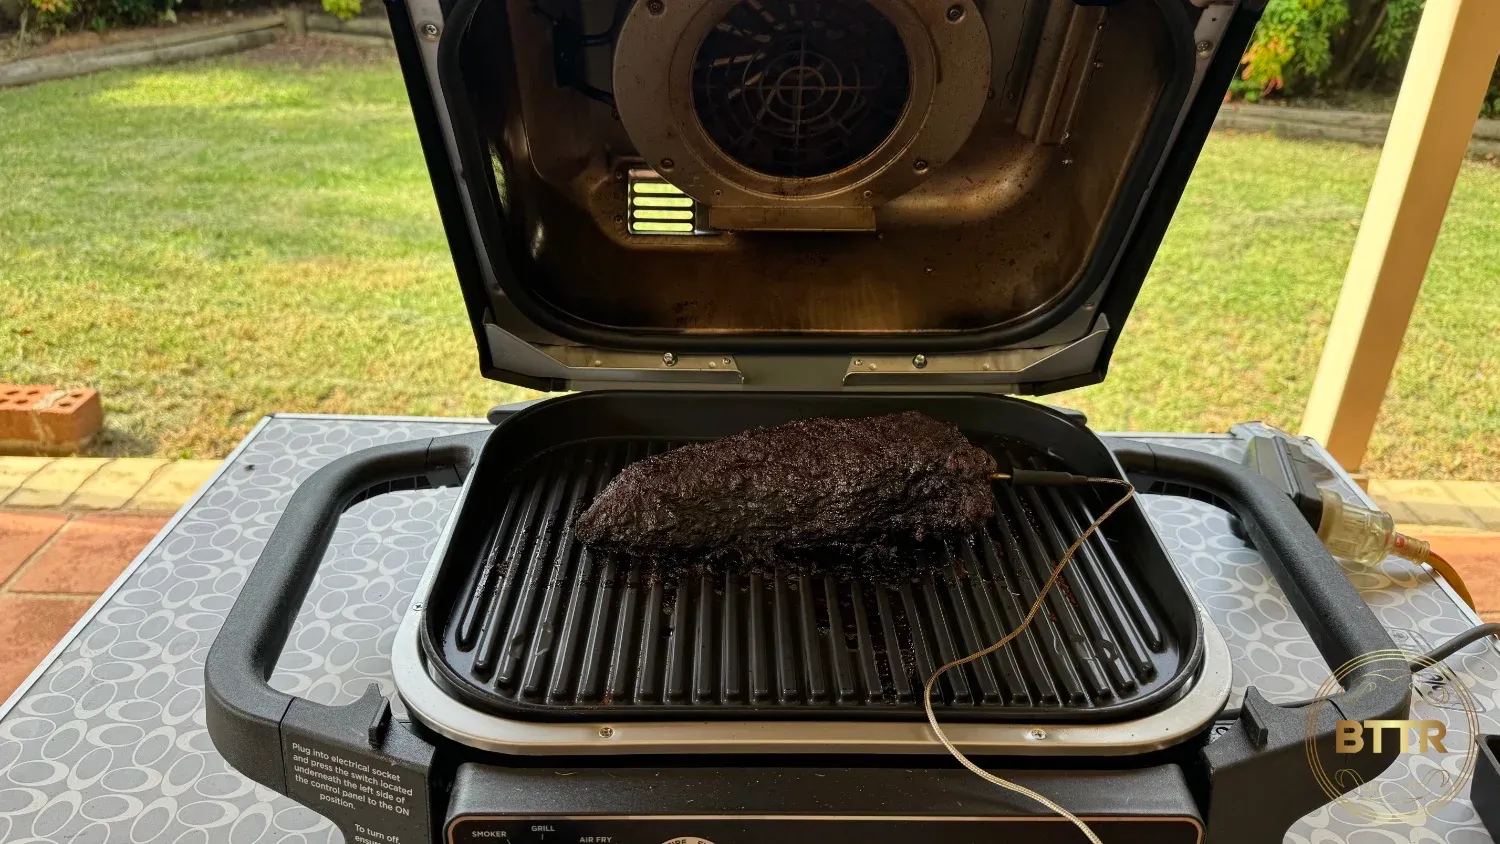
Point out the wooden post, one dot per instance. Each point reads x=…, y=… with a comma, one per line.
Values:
x=1457, y=44
x=296, y=22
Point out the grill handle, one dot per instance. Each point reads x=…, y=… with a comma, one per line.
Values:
x=245, y=716
x=1261, y=780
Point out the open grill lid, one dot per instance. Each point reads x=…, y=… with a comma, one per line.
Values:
x=917, y=195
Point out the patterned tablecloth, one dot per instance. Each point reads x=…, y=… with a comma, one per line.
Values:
x=106, y=743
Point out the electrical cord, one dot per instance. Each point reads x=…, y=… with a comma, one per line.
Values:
x=1420, y=663
x=1454, y=645
x=1450, y=574
x=585, y=39
x=1419, y=551
x=1029, y=478
x=622, y=7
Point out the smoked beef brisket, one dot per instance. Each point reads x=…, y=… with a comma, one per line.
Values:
x=862, y=489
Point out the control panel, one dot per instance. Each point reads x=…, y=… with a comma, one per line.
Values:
x=793, y=805
x=812, y=830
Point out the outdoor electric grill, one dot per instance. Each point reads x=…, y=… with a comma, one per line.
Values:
x=707, y=216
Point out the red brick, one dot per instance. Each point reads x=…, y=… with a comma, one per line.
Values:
x=88, y=554
x=29, y=627
x=16, y=402
x=46, y=419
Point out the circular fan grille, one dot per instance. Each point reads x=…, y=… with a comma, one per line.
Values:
x=800, y=88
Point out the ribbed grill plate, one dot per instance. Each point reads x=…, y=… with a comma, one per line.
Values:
x=541, y=628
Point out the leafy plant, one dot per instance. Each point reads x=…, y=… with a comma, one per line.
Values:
x=1293, y=43
x=344, y=9
x=1397, y=30
x=52, y=14
x=99, y=15
x=1303, y=46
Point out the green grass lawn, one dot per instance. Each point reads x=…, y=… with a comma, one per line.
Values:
x=210, y=243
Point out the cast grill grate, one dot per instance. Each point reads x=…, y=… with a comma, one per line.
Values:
x=800, y=89
x=545, y=628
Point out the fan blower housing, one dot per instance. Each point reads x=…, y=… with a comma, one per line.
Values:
x=793, y=114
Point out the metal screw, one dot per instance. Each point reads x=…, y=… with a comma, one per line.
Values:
x=955, y=13
x=1204, y=48
x=430, y=31
x=919, y=361
x=869, y=194
x=619, y=219
x=656, y=7
x=858, y=362
x=1037, y=734
x=920, y=165
x=606, y=732
x=669, y=359
x=668, y=164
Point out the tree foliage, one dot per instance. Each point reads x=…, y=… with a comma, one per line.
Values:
x=1309, y=47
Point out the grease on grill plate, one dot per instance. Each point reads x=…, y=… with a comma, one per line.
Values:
x=545, y=628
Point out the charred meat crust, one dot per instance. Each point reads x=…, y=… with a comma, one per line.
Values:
x=863, y=488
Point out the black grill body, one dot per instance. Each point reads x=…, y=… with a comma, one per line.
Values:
x=524, y=622
x=1246, y=775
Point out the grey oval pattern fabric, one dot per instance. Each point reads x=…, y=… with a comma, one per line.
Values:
x=109, y=743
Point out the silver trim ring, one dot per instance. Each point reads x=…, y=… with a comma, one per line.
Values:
x=430, y=705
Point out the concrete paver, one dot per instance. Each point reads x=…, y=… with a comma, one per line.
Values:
x=1429, y=502
x=173, y=485
x=1482, y=499
x=52, y=484
x=1383, y=497
x=115, y=484
x=15, y=470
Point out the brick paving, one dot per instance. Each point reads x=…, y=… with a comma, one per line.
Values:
x=53, y=566
x=29, y=626
x=68, y=528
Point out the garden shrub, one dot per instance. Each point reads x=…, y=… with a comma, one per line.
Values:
x=58, y=15
x=344, y=9
x=100, y=14
x=1293, y=42
x=1307, y=47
